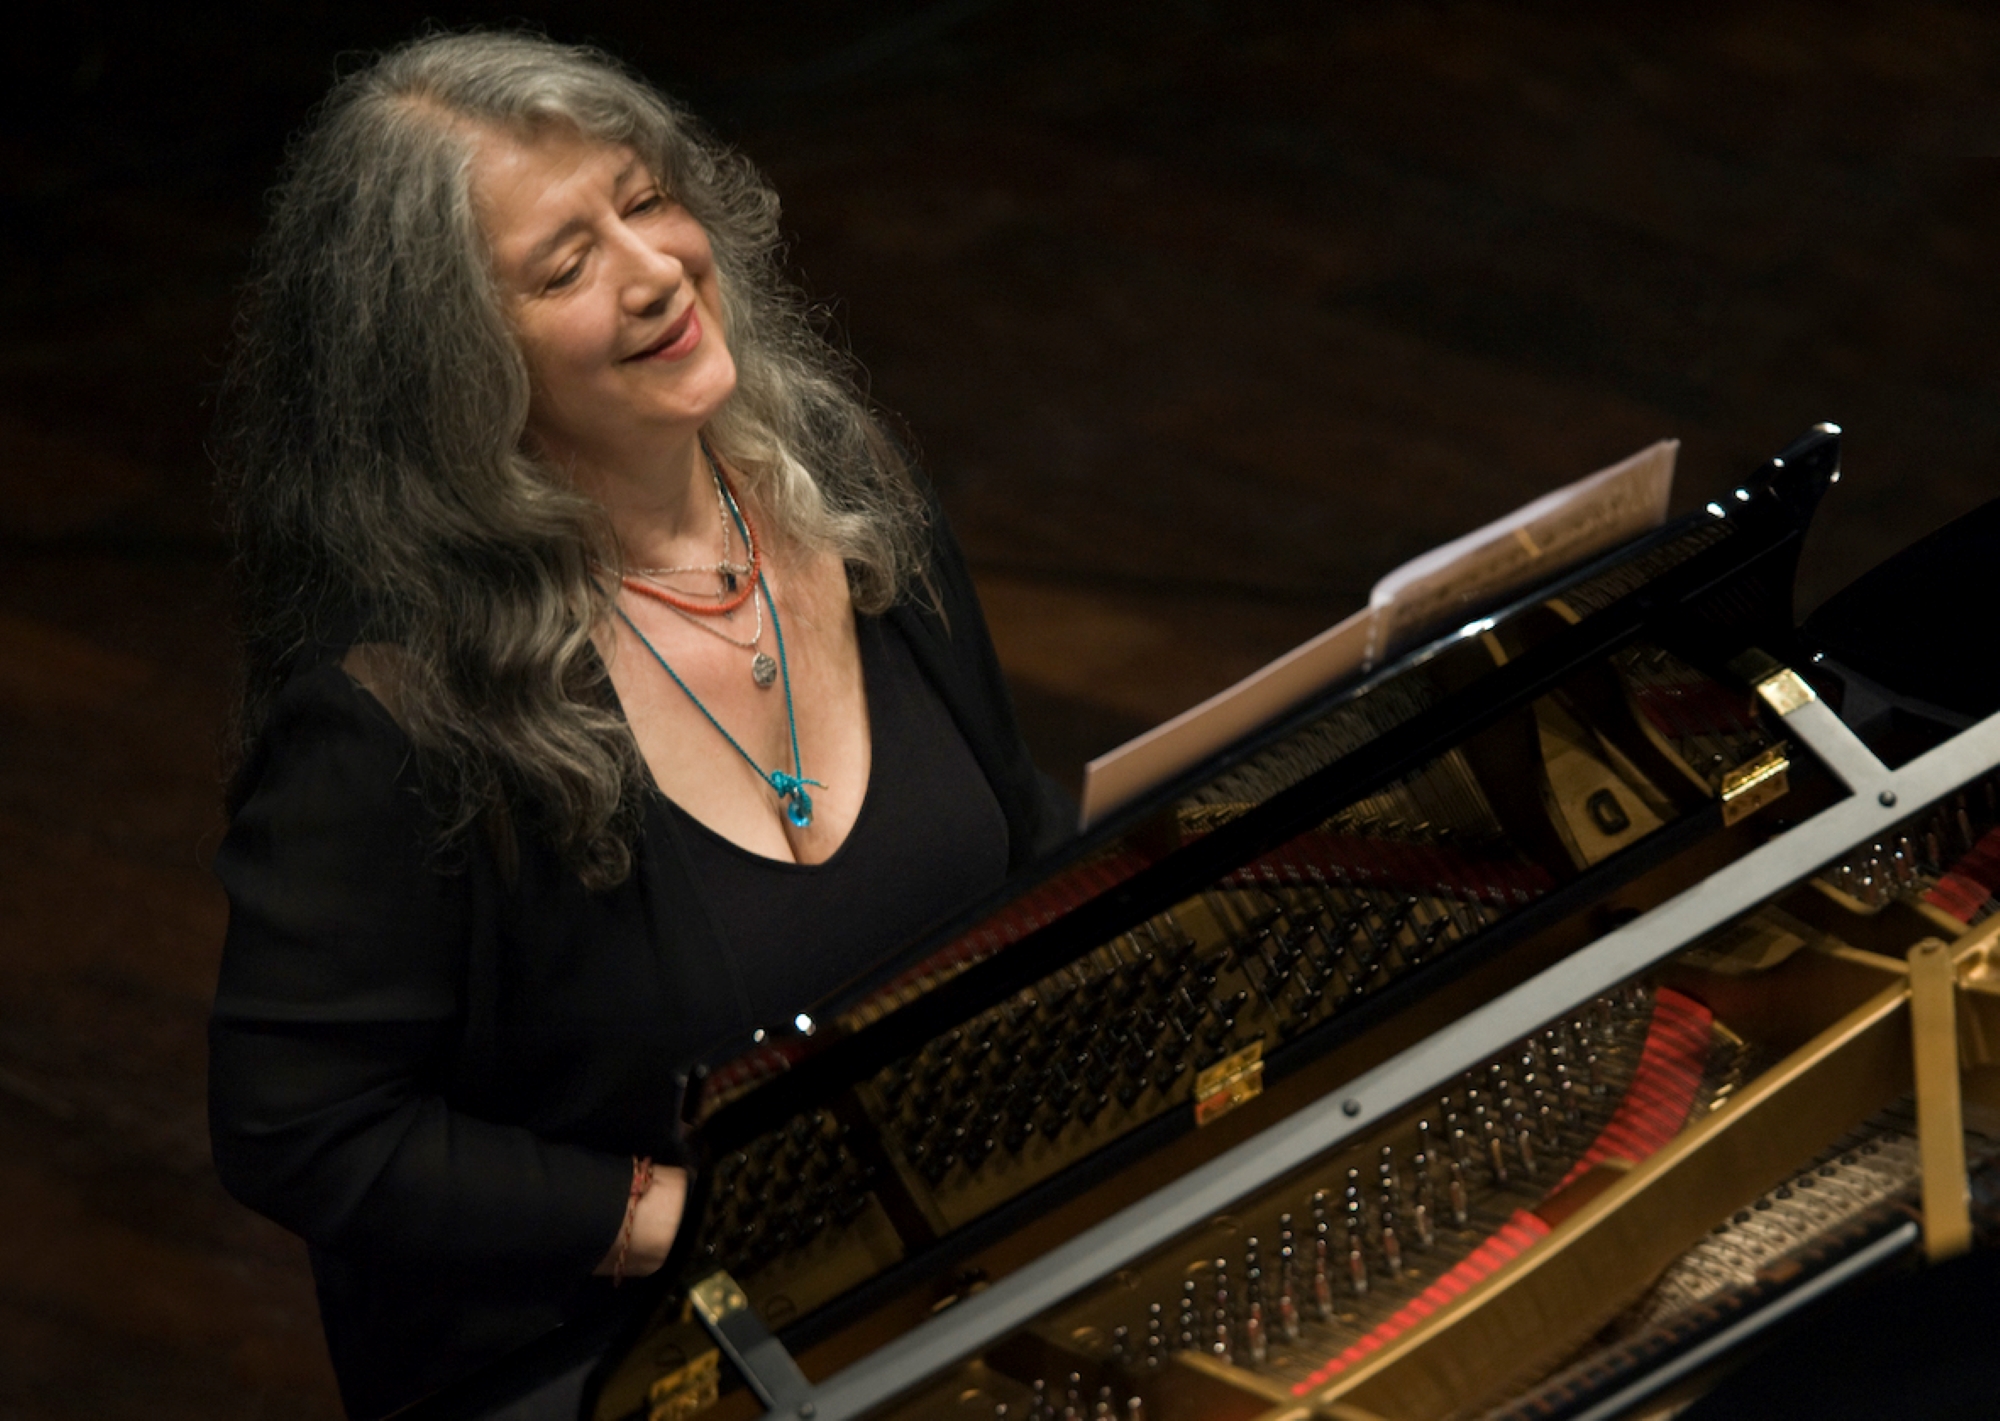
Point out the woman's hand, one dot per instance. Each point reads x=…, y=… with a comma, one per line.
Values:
x=656, y=1218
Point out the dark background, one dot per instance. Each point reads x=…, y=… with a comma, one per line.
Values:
x=1204, y=316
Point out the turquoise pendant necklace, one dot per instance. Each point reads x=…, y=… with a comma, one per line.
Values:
x=791, y=789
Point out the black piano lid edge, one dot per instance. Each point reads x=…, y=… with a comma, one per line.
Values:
x=1133, y=816
x=1771, y=518
x=1796, y=478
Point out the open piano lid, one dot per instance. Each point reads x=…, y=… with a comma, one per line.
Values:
x=1370, y=788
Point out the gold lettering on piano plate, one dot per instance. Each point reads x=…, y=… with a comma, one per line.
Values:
x=1230, y=1082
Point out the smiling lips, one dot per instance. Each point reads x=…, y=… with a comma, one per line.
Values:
x=679, y=338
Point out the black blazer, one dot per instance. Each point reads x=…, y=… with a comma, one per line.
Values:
x=437, y=1073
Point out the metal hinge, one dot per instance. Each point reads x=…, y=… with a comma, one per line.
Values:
x=688, y=1390
x=1230, y=1082
x=1755, y=783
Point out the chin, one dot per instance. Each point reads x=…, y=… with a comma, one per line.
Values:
x=715, y=396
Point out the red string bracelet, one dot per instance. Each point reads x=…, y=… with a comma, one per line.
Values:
x=642, y=1180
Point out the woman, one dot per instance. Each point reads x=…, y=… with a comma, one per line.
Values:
x=612, y=692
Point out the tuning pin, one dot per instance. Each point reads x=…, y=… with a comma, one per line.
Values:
x=1568, y=1097
x=1392, y=1184
x=1288, y=1308
x=1545, y=1120
x=1322, y=1282
x=1135, y=1409
x=1524, y=1144
x=1357, y=1261
x=1254, y=1342
x=1455, y=1192
x=1424, y=1214
x=1496, y=1153
x=1392, y=1246
x=1104, y=1403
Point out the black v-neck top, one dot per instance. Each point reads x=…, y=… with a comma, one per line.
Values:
x=930, y=839
x=437, y=1071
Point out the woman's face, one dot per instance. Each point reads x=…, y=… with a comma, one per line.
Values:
x=612, y=290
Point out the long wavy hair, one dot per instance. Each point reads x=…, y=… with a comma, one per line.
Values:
x=372, y=435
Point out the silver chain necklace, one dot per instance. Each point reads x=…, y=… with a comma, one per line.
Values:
x=763, y=670
x=722, y=567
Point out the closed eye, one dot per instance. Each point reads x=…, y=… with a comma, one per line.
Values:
x=567, y=276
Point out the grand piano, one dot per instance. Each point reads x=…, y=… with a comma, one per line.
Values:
x=1527, y=1027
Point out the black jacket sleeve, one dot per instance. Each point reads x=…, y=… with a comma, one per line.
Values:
x=337, y=1014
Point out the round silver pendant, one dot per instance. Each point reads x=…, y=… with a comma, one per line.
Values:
x=763, y=670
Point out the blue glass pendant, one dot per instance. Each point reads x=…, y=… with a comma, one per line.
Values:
x=798, y=804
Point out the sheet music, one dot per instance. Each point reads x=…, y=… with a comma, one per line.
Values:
x=1423, y=596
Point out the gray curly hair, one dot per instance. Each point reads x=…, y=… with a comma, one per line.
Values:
x=372, y=451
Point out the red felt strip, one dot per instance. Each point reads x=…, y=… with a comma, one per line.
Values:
x=1663, y=1088
x=1960, y=897
x=1655, y=1108
x=1515, y=1237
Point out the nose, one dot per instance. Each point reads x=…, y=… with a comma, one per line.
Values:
x=648, y=277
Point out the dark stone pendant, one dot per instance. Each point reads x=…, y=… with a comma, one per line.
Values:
x=763, y=670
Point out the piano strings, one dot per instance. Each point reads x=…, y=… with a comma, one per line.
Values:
x=1304, y=1281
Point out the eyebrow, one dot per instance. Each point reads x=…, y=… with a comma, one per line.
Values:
x=541, y=250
